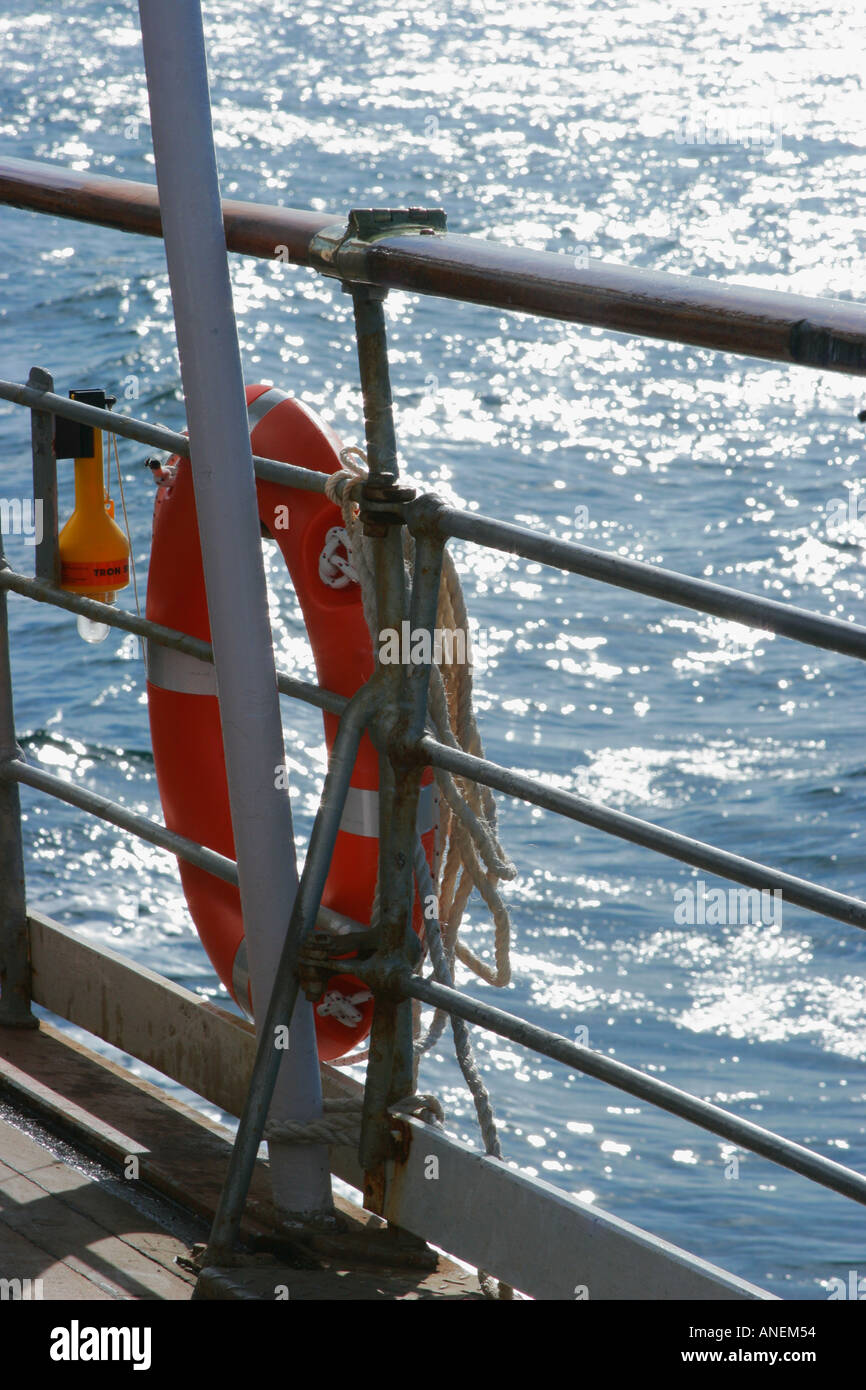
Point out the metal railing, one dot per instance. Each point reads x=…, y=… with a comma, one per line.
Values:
x=385, y=509
x=777, y=326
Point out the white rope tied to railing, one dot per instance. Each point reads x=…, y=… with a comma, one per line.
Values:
x=341, y=1121
x=340, y=1124
x=442, y=973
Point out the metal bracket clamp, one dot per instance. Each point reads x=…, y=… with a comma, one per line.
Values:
x=325, y=954
x=342, y=251
x=382, y=503
x=313, y=972
x=335, y=936
x=71, y=439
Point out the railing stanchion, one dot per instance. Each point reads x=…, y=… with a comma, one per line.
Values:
x=14, y=940
x=44, y=482
x=390, y=1070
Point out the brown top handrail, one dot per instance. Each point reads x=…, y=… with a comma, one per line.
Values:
x=781, y=327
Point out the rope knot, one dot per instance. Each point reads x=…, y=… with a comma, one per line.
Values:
x=343, y=487
x=421, y=1107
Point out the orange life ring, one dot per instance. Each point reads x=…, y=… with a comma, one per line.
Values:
x=184, y=713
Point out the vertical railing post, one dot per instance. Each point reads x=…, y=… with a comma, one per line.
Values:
x=423, y=607
x=44, y=482
x=390, y=1067
x=14, y=937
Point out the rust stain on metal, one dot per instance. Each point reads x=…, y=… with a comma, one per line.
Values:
x=374, y=1189
x=376, y=1179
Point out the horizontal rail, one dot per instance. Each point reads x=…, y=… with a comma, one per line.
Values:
x=16, y=770
x=784, y=1152
x=44, y=592
x=270, y=470
x=798, y=891
x=821, y=333
x=700, y=595
x=786, y=620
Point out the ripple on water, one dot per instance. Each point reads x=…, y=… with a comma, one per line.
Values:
x=725, y=143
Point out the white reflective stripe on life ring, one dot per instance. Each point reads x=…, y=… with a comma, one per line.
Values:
x=172, y=670
x=361, y=811
x=259, y=408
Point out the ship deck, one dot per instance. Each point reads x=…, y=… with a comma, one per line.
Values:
x=72, y=1124
x=67, y=1233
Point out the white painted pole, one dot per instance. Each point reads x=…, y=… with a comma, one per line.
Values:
x=176, y=66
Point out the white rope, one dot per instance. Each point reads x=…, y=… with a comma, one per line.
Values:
x=423, y=1107
x=340, y=1124
x=443, y=974
x=343, y=1007
x=352, y=1059
x=442, y=971
x=341, y=1121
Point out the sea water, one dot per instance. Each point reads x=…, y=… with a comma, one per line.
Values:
x=722, y=141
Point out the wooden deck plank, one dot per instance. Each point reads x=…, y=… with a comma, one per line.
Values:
x=101, y=1257
x=113, y=1213
x=19, y=1152
x=276, y=1283
x=182, y=1154
x=196, y=1043
x=21, y=1258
